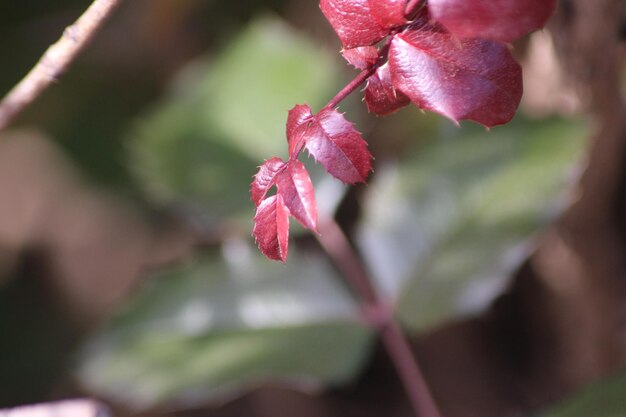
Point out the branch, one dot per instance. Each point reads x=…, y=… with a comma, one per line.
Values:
x=376, y=311
x=55, y=60
x=353, y=85
x=362, y=77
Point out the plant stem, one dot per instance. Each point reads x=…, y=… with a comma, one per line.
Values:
x=353, y=85
x=376, y=312
x=55, y=60
x=363, y=75
x=336, y=245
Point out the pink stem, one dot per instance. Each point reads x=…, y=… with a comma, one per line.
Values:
x=353, y=85
x=408, y=369
x=336, y=245
x=363, y=75
x=375, y=311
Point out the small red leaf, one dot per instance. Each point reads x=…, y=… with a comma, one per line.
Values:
x=337, y=145
x=353, y=22
x=362, y=57
x=271, y=228
x=294, y=185
x=264, y=179
x=459, y=78
x=388, y=13
x=501, y=20
x=381, y=96
x=297, y=121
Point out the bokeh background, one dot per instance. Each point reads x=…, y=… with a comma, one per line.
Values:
x=127, y=269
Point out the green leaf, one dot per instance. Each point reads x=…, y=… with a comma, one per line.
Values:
x=605, y=398
x=221, y=324
x=442, y=230
x=225, y=115
x=265, y=72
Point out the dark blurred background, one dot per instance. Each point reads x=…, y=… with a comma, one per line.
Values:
x=127, y=269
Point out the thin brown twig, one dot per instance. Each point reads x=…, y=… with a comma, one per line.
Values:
x=336, y=245
x=55, y=60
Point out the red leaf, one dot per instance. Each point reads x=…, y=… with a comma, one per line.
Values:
x=502, y=20
x=337, y=145
x=263, y=180
x=353, y=22
x=361, y=57
x=381, y=96
x=388, y=13
x=297, y=122
x=294, y=185
x=271, y=228
x=462, y=79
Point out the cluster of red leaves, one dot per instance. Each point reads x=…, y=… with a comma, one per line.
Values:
x=447, y=56
x=335, y=144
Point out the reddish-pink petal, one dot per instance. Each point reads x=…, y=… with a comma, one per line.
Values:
x=271, y=228
x=353, y=22
x=459, y=78
x=381, y=96
x=294, y=185
x=297, y=122
x=339, y=147
x=388, y=13
x=264, y=179
x=501, y=20
x=362, y=57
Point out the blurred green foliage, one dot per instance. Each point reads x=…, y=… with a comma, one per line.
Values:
x=228, y=321
x=222, y=117
x=226, y=115
x=442, y=229
x=441, y=226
